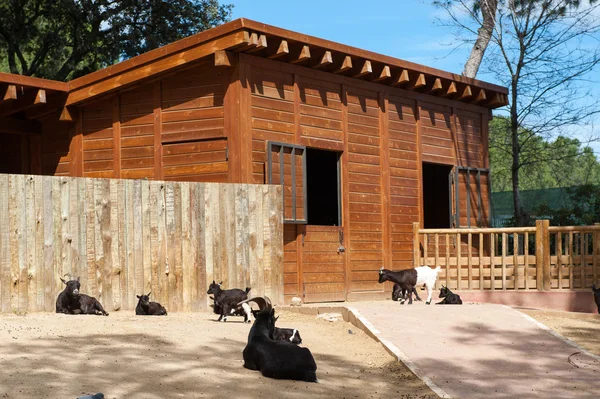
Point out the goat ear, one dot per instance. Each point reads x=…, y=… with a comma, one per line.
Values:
x=138, y=297
x=221, y=283
x=77, y=279
x=62, y=280
x=149, y=293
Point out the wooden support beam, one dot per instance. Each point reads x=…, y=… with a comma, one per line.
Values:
x=480, y=97
x=346, y=65
x=261, y=44
x=366, y=69
x=66, y=115
x=437, y=85
x=466, y=94
x=302, y=55
x=248, y=44
x=325, y=60
x=10, y=93
x=383, y=75
x=497, y=100
x=282, y=50
x=452, y=91
x=20, y=126
x=54, y=102
x=401, y=79
x=29, y=99
x=224, y=58
x=420, y=82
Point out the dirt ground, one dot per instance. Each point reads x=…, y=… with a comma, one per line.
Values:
x=185, y=355
x=581, y=328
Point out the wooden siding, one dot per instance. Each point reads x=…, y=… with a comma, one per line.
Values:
x=127, y=237
x=437, y=138
x=137, y=132
x=172, y=129
x=404, y=178
x=364, y=190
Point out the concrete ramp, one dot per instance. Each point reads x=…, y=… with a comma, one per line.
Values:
x=483, y=351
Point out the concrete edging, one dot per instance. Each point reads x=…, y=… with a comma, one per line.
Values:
x=353, y=316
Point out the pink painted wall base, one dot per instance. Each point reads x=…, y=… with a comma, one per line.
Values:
x=571, y=301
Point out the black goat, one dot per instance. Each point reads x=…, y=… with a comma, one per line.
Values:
x=147, y=308
x=398, y=294
x=217, y=309
x=70, y=301
x=275, y=359
x=450, y=298
x=596, y=296
x=286, y=334
x=228, y=302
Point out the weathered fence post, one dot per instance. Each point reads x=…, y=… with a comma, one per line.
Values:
x=547, y=276
x=416, y=251
x=539, y=254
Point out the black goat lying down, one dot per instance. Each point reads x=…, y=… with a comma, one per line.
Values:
x=596, y=296
x=398, y=294
x=286, y=334
x=450, y=298
x=147, y=308
x=70, y=301
x=227, y=302
x=275, y=359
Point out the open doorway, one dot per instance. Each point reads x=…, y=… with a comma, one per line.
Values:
x=436, y=196
x=322, y=184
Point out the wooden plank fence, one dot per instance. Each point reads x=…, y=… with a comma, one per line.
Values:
x=525, y=258
x=128, y=237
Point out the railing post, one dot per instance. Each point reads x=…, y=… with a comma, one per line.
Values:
x=539, y=254
x=416, y=250
x=547, y=276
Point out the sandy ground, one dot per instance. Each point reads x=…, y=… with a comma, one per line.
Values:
x=581, y=328
x=186, y=355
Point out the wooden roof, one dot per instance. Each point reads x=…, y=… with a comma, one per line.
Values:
x=19, y=94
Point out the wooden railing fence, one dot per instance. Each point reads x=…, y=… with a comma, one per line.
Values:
x=525, y=258
x=128, y=237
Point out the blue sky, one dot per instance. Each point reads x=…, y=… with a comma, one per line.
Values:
x=404, y=29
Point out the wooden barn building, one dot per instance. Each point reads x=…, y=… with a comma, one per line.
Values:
x=364, y=144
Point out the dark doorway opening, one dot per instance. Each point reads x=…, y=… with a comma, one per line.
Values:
x=436, y=196
x=322, y=185
x=13, y=154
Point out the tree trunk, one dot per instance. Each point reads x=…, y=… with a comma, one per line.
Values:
x=484, y=34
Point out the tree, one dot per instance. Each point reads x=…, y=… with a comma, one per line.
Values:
x=545, y=51
x=64, y=39
x=571, y=164
x=488, y=10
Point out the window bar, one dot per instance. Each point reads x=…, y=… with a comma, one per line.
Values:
x=281, y=179
x=304, y=189
x=479, y=209
x=457, y=197
x=270, y=163
x=468, y=182
x=293, y=183
x=450, y=199
x=339, y=190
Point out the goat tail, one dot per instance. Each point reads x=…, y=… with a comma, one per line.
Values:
x=437, y=269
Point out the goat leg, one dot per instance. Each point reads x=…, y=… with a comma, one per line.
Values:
x=416, y=295
x=410, y=292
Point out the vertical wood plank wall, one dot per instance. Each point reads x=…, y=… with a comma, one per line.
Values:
x=127, y=237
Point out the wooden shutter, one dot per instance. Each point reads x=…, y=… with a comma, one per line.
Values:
x=286, y=165
x=469, y=197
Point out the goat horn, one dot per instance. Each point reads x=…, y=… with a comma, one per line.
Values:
x=67, y=274
x=263, y=303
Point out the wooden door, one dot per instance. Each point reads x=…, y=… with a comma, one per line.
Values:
x=323, y=268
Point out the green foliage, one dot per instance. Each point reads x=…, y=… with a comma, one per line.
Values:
x=64, y=39
x=584, y=208
x=562, y=162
